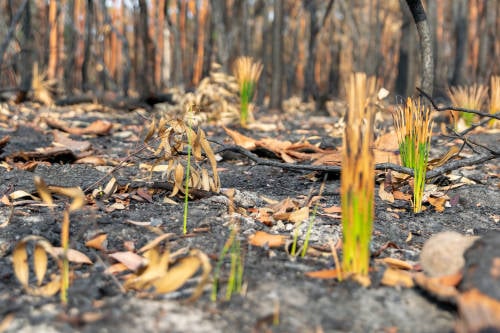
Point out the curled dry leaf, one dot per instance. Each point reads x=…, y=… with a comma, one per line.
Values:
x=156, y=267
x=177, y=275
x=165, y=278
x=43, y=191
x=155, y=242
x=75, y=193
x=21, y=267
x=73, y=256
x=129, y=259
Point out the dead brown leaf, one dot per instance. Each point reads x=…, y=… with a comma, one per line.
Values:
x=263, y=239
x=98, y=242
x=396, y=277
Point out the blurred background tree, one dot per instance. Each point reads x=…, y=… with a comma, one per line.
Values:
x=139, y=48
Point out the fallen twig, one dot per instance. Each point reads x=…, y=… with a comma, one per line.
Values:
x=335, y=170
x=454, y=108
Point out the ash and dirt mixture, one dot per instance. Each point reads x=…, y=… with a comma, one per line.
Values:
x=274, y=283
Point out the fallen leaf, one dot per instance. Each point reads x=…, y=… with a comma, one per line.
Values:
x=396, y=263
x=93, y=160
x=75, y=193
x=261, y=238
x=398, y=195
x=394, y=277
x=98, y=242
x=324, y=274
x=74, y=256
x=40, y=262
x=437, y=203
x=299, y=215
x=130, y=259
x=62, y=140
x=22, y=194
x=43, y=191
x=177, y=275
x=155, y=242
x=384, y=195
x=240, y=139
x=332, y=209
x=478, y=312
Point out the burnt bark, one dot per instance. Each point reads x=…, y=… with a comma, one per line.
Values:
x=221, y=37
x=26, y=54
x=426, y=47
x=10, y=33
x=88, y=40
x=460, y=14
x=146, y=76
x=407, y=64
x=277, y=57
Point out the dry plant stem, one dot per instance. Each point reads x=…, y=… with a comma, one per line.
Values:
x=358, y=175
x=454, y=108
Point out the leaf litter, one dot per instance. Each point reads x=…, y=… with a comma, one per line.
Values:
x=156, y=270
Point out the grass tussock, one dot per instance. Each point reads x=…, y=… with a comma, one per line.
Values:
x=494, y=98
x=468, y=97
x=414, y=129
x=357, y=179
x=247, y=73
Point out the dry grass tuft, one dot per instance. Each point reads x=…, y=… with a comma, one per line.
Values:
x=494, y=98
x=43, y=89
x=247, y=73
x=469, y=97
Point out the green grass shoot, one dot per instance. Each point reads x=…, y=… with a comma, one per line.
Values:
x=414, y=128
x=247, y=73
x=312, y=219
x=235, y=281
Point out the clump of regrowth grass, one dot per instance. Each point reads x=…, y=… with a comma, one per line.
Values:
x=467, y=97
x=235, y=280
x=247, y=73
x=494, y=98
x=233, y=248
x=358, y=174
x=414, y=129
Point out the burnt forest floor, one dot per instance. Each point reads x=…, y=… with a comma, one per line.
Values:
x=274, y=283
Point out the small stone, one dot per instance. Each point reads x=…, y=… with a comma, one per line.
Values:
x=442, y=254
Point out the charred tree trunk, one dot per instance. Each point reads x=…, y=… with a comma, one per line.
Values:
x=86, y=49
x=310, y=85
x=221, y=38
x=460, y=14
x=277, y=57
x=26, y=54
x=408, y=62
x=425, y=45
x=487, y=39
x=70, y=54
x=12, y=29
x=146, y=77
